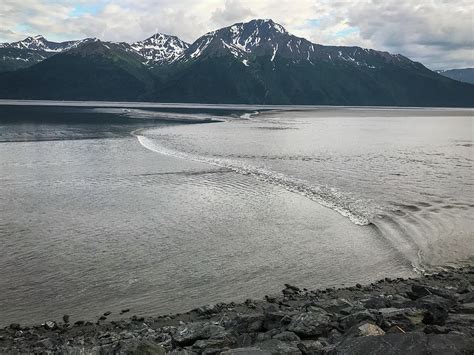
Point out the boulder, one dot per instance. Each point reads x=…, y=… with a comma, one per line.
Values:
x=189, y=333
x=335, y=305
x=309, y=324
x=418, y=291
x=247, y=323
x=274, y=319
x=310, y=346
x=377, y=302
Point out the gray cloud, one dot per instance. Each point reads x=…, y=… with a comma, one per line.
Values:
x=438, y=33
x=232, y=12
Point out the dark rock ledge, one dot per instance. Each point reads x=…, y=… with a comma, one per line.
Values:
x=430, y=315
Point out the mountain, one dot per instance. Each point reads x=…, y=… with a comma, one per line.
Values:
x=93, y=70
x=465, y=75
x=260, y=62
x=39, y=43
x=160, y=49
x=31, y=50
x=157, y=50
x=253, y=62
x=257, y=38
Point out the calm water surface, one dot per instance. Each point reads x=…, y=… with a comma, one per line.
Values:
x=174, y=216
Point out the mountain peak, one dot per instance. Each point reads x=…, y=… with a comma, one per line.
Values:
x=39, y=43
x=269, y=23
x=160, y=48
x=258, y=37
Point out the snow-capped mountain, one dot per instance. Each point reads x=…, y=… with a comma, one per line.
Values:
x=255, y=38
x=252, y=62
x=160, y=49
x=30, y=51
x=40, y=43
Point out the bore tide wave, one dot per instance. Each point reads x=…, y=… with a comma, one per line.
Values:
x=325, y=196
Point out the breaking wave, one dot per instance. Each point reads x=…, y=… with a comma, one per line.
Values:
x=325, y=196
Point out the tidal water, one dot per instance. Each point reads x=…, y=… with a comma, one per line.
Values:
x=161, y=210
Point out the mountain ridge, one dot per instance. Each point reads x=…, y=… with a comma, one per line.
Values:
x=257, y=61
x=465, y=75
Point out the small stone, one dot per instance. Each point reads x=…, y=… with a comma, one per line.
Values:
x=108, y=313
x=368, y=329
x=15, y=326
x=358, y=285
x=125, y=310
x=418, y=291
x=66, y=318
x=50, y=325
x=79, y=322
x=102, y=318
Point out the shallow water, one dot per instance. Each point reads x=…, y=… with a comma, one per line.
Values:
x=176, y=216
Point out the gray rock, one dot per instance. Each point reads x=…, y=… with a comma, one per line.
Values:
x=404, y=318
x=247, y=323
x=467, y=308
x=365, y=329
x=246, y=351
x=189, y=333
x=216, y=343
x=310, y=346
x=435, y=329
x=208, y=309
x=244, y=340
x=334, y=305
x=274, y=319
x=377, y=302
x=406, y=344
x=310, y=323
x=355, y=318
x=15, y=326
x=418, y=291
x=275, y=346
x=50, y=325
x=286, y=336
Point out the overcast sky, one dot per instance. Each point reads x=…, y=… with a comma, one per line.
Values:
x=438, y=33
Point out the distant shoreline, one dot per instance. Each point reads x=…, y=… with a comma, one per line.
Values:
x=190, y=105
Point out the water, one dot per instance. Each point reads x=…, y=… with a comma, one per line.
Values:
x=173, y=216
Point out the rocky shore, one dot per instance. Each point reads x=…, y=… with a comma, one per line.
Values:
x=433, y=314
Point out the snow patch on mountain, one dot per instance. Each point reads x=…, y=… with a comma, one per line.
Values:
x=160, y=49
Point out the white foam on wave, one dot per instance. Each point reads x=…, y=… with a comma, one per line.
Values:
x=325, y=196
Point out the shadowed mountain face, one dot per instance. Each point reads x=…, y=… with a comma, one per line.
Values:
x=253, y=62
x=465, y=75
